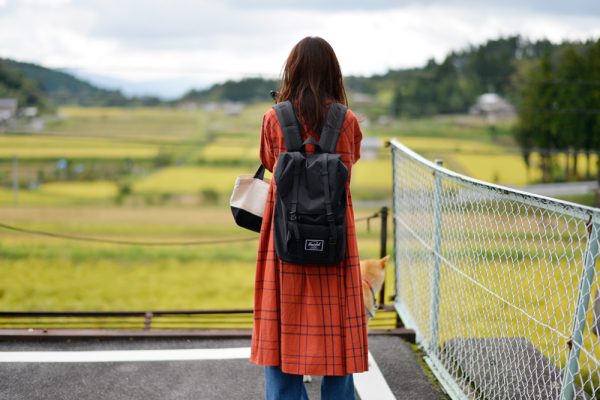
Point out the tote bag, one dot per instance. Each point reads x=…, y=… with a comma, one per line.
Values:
x=249, y=198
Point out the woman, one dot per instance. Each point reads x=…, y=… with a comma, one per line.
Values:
x=309, y=319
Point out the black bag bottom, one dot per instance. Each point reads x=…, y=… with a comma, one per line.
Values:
x=246, y=220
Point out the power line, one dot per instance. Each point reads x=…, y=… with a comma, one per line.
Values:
x=368, y=217
x=560, y=110
x=583, y=82
x=116, y=137
x=122, y=242
x=510, y=79
x=141, y=243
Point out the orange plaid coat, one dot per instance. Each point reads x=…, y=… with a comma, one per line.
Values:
x=308, y=319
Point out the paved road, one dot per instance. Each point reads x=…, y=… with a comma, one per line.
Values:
x=561, y=189
x=191, y=379
x=542, y=189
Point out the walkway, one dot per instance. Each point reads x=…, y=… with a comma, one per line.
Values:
x=214, y=373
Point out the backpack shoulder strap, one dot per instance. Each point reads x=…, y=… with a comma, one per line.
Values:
x=289, y=125
x=332, y=127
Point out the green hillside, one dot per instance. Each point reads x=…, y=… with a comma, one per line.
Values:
x=447, y=87
x=63, y=88
x=245, y=90
x=14, y=83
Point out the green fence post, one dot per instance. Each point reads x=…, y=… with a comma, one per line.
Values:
x=397, y=277
x=15, y=183
x=437, y=246
x=383, y=248
x=583, y=299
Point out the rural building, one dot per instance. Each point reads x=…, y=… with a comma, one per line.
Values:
x=493, y=107
x=230, y=108
x=361, y=99
x=8, y=109
x=369, y=147
x=28, y=112
x=233, y=108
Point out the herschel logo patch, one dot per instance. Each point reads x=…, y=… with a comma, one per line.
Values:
x=313, y=245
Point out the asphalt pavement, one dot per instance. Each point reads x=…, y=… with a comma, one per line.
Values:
x=207, y=379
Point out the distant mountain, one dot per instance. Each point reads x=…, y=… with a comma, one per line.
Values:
x=245, y=90
x=63, y=88
x=166, y=89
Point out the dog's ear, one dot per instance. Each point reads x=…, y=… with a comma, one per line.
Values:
x=383, y=261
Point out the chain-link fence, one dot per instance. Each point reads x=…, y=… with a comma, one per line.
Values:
x=500, y=285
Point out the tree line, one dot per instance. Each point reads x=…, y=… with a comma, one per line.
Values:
x=554, y=87
x=453, y=85
x=449, y=86
x=559, y=109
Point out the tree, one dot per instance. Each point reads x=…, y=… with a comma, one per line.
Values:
x=559, y=108
x=536, y=125
x=14, y=83
x=592, y=102
x=571, y=122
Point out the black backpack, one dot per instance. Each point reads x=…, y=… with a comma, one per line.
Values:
x=310, y=206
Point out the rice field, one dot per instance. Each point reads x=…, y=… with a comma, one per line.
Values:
x=190, y=179
x=172, y=154
x=62, y=193
x=46, y=147
x=177, y=152
x=57, y=274
x=228, y=151
x=155, y=124
x=180, y=152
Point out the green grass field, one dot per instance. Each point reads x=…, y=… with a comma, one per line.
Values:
x=58, y=274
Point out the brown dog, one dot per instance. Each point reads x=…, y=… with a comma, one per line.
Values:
x=373, y=275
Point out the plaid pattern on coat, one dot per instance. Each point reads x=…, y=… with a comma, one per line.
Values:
x=308, y=319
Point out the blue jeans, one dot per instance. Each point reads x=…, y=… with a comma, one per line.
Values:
x=282, y=386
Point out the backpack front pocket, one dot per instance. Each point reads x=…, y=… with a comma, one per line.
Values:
x=315, y=244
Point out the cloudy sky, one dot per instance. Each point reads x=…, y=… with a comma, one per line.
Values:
x=167, y=46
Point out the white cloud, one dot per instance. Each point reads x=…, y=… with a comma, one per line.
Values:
x=208, y=41
x=380, y=40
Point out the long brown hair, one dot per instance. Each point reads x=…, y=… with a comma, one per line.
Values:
x=311, y=78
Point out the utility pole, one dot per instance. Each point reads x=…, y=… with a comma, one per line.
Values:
x=16, y=180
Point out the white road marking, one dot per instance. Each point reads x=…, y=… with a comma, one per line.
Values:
x=125, y=355
x=372, y=384
x=369, y=385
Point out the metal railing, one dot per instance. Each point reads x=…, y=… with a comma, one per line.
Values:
x=499, y=285
x=159, y=323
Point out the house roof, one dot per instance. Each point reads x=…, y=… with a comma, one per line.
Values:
x=8, y=103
